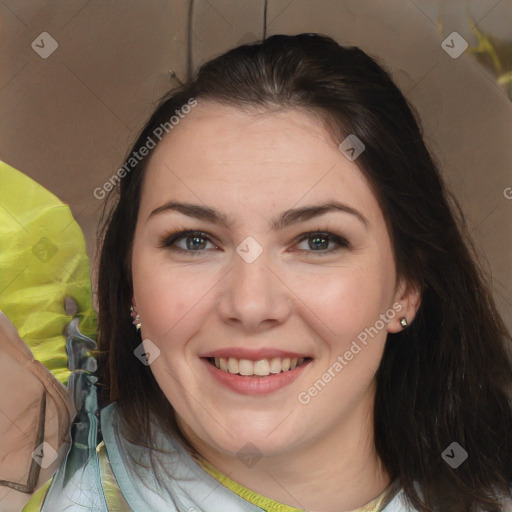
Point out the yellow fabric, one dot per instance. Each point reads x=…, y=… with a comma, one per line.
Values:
x=113, y=496
x=270, y=505
x=248, y=495
x=36, y=501
x=42, y=260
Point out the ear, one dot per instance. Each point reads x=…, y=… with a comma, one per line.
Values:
x=406, y=303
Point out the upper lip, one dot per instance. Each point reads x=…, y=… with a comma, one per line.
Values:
x=252, y=354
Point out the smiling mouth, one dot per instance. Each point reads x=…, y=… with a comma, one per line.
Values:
x=259, y=368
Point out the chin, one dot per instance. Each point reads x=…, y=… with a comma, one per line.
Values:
x=253, y=442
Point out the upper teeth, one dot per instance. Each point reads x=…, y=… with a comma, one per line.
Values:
x=260, y=367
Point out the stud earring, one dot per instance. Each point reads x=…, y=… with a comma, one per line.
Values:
x=403, y=322
x=136, y=318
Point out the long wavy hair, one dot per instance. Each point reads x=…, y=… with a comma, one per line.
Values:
x=448, y=376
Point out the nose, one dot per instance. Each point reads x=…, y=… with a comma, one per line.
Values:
x=255, y=297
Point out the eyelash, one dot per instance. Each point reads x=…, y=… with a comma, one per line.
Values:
x=170, y=239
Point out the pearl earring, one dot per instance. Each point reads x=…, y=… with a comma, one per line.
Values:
x=136, y=318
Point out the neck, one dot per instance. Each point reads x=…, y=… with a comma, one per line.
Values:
x=339, y=470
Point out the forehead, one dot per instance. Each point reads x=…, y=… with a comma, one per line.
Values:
x=227, y=134
x=227, y=156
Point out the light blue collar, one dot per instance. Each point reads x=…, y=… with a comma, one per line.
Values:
x=186, y=488
x=190, y=489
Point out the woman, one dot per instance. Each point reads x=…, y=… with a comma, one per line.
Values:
x=311, y=330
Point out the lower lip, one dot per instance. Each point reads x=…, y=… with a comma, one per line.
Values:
x=249, y=385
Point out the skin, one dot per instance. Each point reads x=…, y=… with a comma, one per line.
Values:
x=252, y=166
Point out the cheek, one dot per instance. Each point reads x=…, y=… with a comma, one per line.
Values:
x=168, y=297
x=346, y=300
x=347, y=316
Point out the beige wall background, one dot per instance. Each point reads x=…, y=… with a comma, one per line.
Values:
x=68, y=120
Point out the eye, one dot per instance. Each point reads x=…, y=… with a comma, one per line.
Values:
x=319, y=241
x=194, y=242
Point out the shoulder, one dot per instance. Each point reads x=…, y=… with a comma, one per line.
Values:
x=114, y=499
x=174, y=482
x=78, y=481
x=84, y=479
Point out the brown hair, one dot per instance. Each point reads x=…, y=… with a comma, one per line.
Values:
x=445, y=378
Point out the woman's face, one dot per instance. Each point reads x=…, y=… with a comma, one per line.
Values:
x=272, y=278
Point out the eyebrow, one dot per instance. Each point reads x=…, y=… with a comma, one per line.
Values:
x=287, y=218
